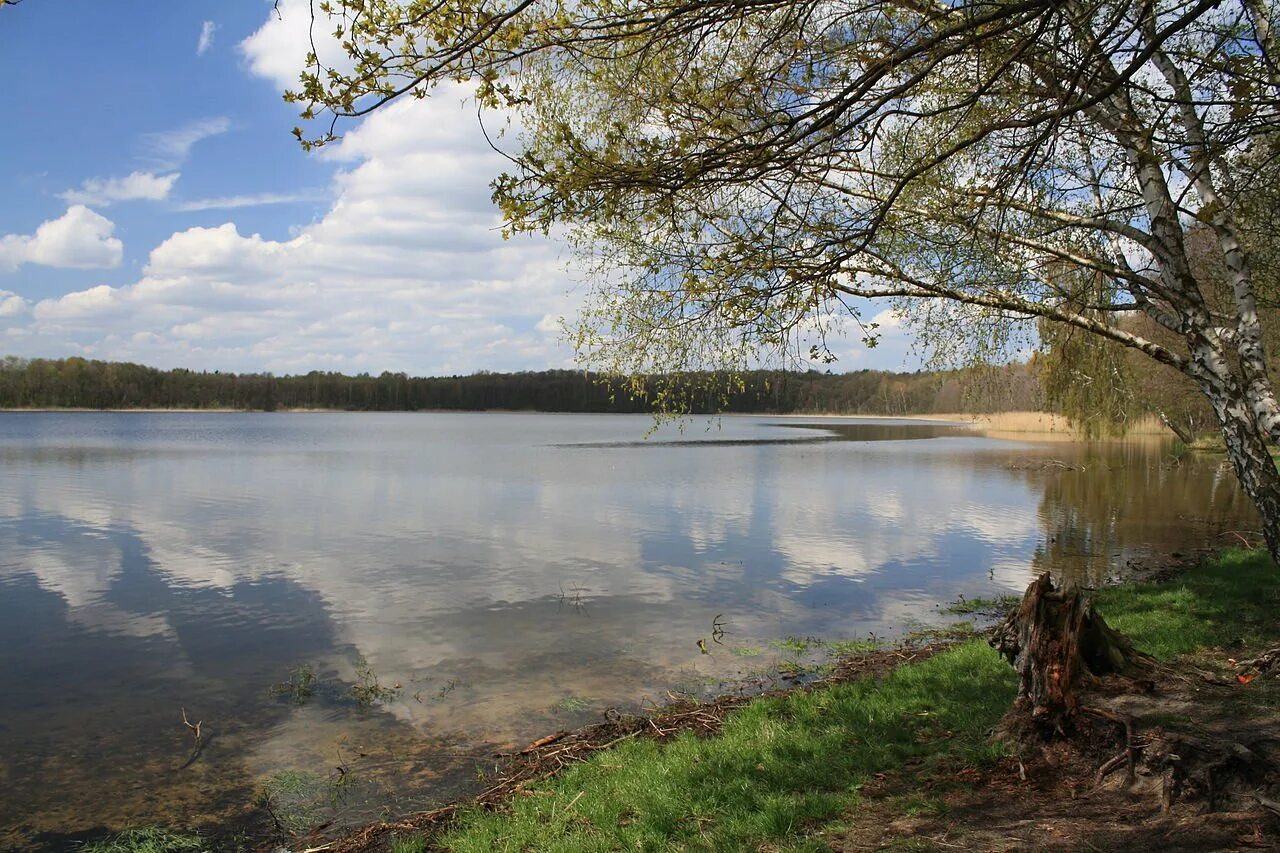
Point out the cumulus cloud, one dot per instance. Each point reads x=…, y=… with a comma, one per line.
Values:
x=887, y=319
x=79, y=239
x=207, y=29
x=136, y=186
x=277, y=49
x=11, y=304
x=406, y=270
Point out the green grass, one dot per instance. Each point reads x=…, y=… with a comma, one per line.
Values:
x=786, y=766
x=796, y=645
x=781, y=767
x=149, y=840
x=942, y=633
x=408, y=844
x=1231, y=600
x=299, y=800
x=572, y=705
x=983, y=606
x=849, y=648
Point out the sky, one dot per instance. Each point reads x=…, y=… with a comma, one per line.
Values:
x=155, y=207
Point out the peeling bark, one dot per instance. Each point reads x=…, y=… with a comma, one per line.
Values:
x=1246, y=448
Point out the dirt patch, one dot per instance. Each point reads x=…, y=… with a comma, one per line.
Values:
x=1042, y=807
x=1197, y=770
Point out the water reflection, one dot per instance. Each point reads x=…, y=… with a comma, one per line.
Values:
x=1095, y=524
x=507, y=571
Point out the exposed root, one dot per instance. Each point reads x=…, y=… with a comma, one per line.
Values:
x=1267, y=662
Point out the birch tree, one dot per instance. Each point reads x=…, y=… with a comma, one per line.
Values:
x=744, y=174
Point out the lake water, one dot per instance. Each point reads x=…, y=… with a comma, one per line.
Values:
x=499, y=575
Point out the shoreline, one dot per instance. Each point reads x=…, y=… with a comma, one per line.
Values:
x=996, y=424
x=559, y=770
x=576, y=771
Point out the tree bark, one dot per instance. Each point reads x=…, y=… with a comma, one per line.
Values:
x=1184, y=435
x=1254, y=466
x=1059, y=645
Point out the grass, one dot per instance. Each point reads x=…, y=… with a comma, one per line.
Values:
x=149, y=840
x=572, y=705
x=848, y=648
x=787, y=766
x=409, y=844
x=983, y=606
x=942, y=633
x=782, y=766
x=300, y=800
x=799, y=646
x=796, y=645
x=1231, y=600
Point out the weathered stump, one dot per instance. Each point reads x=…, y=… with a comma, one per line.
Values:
x=1059, y=645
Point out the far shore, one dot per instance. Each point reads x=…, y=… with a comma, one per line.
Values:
x=1045, y=425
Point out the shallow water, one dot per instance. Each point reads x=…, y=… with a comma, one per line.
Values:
x=502, y=574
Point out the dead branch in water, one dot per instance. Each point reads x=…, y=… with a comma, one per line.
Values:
x=195, y=729
x=197, y=739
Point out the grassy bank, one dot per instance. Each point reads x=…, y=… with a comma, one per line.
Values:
x=786, y=767
x=787, y=770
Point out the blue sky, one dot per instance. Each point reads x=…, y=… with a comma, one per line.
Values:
x=157, y=209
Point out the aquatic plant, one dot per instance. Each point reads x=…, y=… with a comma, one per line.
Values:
x=300, y=687
x=367, y=691
x=572, y=705
x=150, y=839
x=298, y=800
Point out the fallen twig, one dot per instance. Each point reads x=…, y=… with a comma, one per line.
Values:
x=543, y=741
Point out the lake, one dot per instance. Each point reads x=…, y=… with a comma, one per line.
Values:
x=480, y=580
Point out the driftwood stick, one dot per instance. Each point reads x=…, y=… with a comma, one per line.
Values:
x=195, y=729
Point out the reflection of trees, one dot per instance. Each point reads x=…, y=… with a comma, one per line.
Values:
x=1128, y=501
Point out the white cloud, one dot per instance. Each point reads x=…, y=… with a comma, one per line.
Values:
x=136, y=186
x=207, y=29
x=249, y=200
x=277, y=49
x=887, y=319
x=79, y=239
x=406, y=270
x=11, y=304
x=170, y=148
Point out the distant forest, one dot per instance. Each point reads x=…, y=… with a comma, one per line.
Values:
x=80, y=383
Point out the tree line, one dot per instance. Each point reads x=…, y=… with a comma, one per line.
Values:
x=88, y=384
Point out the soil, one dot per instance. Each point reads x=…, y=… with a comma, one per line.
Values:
x=1206, y=771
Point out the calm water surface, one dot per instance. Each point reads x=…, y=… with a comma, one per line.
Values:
x=505, y=575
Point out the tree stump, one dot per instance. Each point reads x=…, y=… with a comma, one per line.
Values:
x=1059, y=645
